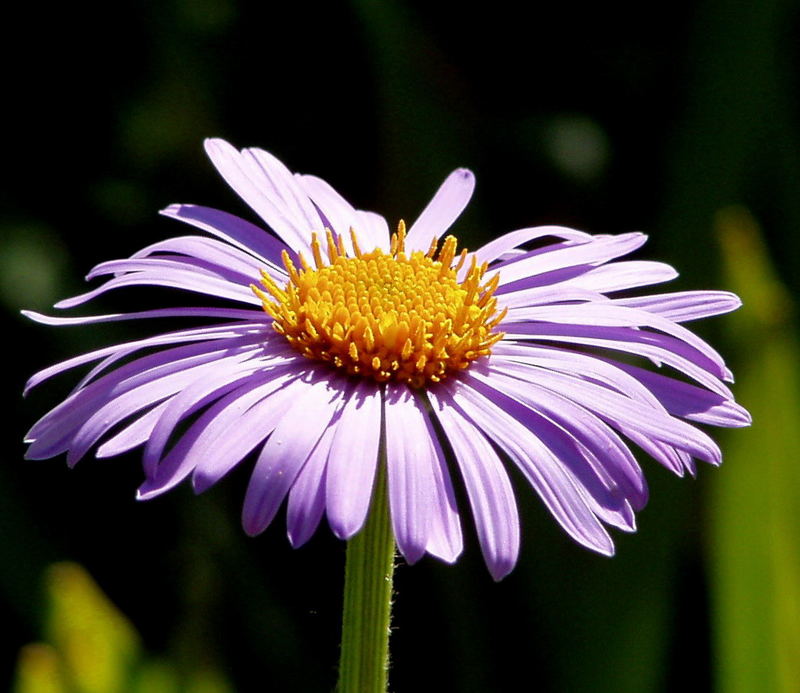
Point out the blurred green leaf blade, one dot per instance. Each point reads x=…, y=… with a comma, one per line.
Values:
x=755, y=565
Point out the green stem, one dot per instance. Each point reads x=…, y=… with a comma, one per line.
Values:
x=364, y=660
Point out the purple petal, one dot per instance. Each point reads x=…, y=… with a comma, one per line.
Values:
x=56, y=429
x=214, y=335
x=665, y=454
x=554, y=278
x=338, y=213
x=200, y=394
x=488, y=487
x=508, y=241
x=619, y=410
x=618, y=464
x=287, y=450
x=211, y=252
x=445, y=540
x=545, y=295
x=307, y=497
x=409, y=467
x=513, y=254
x=165, y=265
x=601, y=249
x=122, y=406
x=237, y=438
x=376, y=226
x=683, y=306
x=515, y=358
x=545, y=473
x=445, y=207
x=689, y=401
x=133, y=435
x=220, y=418
x=285, y=193
x=626, y=274
x=608, y=314
x=592, y=476
x=266, y=185
x=175, y=277
x=238, y=232
x=353, y=460
x=227, y=313
x=656, y=347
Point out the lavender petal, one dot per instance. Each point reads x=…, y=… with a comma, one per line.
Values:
x=353, y=460
x=409, y=471
x=440, y=213
x=488, y=487
x=306, y=502
x=239, y=233
x=546, y=475
x=287, y=450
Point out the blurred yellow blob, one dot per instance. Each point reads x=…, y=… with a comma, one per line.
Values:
x=92, y=648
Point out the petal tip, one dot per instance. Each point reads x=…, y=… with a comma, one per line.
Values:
x=201, y=483
x=344, y=531
x=172, y=210
x=412, y=554
x=145, y=492
x=214, y=143
x=251, y=528
x=500, y=571
x=102, y=453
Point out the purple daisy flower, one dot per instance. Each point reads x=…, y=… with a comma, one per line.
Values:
x=348, y=345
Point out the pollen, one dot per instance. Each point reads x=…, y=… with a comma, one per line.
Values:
x=396, y=316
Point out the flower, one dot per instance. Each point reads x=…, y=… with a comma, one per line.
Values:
x=347, y=344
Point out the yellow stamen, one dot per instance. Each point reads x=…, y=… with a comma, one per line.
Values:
x=389, y=317
x=316, y=250
x=354, y=240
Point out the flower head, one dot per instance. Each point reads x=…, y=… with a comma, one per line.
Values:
x=346, y=345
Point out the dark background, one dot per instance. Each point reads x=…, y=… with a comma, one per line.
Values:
x=678, y=119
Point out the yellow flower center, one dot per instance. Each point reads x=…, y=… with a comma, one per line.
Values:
x=399, y=317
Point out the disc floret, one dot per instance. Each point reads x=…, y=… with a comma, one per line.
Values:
x=386, y=316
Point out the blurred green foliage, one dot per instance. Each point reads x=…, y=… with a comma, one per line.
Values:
x=603, y=117
x=90, y=647
x=754, y=557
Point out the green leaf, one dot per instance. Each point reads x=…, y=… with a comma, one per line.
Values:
x=755, y=517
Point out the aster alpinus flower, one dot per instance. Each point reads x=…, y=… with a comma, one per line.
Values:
x=346, y=344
